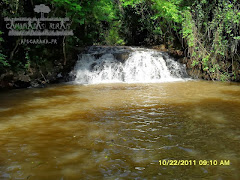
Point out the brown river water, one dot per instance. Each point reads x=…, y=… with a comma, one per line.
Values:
x=121, y=131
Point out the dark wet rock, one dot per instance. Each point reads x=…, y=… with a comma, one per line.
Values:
x=160, y=47
x=6, y=80
x=171, y=51
x=71, y=76
x=21, y=84
x=36, y=84
x=92, y=66
x=122, y=57
x=195, y=72
x=165, y=55
x=97, y=56
x=121, y=53
x=107, y=49
x=23, y=77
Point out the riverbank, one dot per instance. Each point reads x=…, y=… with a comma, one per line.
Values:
x=37, y=76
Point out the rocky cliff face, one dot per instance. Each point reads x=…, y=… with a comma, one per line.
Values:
x=197, y=71
x=34, y=77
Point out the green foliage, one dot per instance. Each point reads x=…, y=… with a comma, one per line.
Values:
x=195, y=62
x=113, y=37
x=1, y=39
x=132, y=3
x=27, y=65
x=211, y=31
x=3, y=61
x=88, y=11
x=205, y=62
x=170, y=10
x=214, y=68
x=104, y=11
x=187, y=29
x=224, y=77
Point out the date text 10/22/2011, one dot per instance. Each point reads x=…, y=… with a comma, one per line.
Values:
x=194, y=162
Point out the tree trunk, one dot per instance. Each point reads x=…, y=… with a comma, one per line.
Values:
x=64, y=51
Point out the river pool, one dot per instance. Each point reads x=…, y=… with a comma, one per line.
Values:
x=121, y=131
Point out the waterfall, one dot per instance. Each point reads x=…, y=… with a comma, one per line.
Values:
x=129, y=65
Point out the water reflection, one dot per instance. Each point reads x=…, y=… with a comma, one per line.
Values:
x=119, y=131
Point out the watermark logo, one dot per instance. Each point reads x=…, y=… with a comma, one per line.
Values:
x=25, y=26
x=42, y=8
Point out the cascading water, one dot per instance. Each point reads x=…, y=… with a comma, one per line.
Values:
x=129, y=65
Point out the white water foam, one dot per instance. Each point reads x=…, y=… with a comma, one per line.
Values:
x=100, y=65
